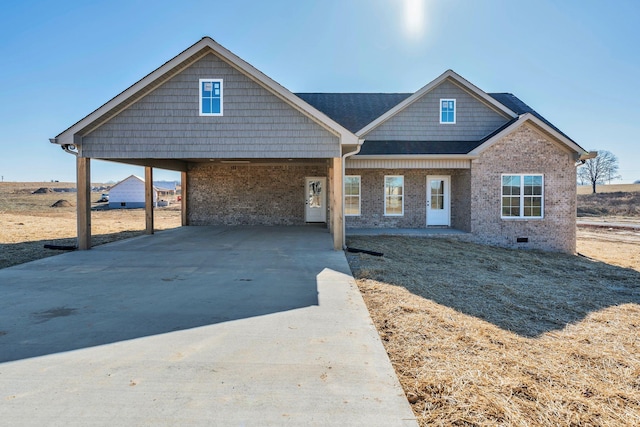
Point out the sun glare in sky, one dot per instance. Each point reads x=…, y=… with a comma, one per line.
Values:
x=414, y=18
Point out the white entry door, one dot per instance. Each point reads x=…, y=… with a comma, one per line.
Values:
x=438, y=200
x=315, y=199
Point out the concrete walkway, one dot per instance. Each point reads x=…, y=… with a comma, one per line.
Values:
x=195, y=326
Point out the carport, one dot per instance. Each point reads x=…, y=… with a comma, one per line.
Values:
x=250, y=152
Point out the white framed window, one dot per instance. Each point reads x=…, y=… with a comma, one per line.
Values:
x=352, y=195
x=394, y=195
x=447, y=111
x=211, y=97
x=522, y=196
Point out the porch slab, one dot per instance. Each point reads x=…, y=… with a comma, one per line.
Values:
x=418, y=232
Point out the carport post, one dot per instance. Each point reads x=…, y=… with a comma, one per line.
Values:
x=336, y=203
x=83, y=215
x=183, y=197
x=148, y=199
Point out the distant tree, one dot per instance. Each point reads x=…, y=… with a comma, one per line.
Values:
x=599, y=170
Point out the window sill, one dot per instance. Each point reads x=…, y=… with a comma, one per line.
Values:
x=518, y=218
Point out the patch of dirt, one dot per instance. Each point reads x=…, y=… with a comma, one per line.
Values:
x=615, y=247
x=61, y=204
x=43, y=190
x=44, y=316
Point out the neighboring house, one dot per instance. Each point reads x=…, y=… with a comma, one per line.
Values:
x=252, y=152
x=166, y=188
x=129, y=194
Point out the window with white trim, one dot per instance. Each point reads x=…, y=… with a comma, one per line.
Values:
x=522, y=196
x=352, y=195
x=447, y=111
x=210, y=97
x=394, y=195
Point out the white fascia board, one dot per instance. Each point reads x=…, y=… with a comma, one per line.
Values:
x=346, y=136
x=449, y=74
x=524, y=118
x=415, y=156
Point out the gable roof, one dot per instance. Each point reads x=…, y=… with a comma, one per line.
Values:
x=176, y=65
x=519, y=107
x=447, y=75
x=134, y=178
x=129, y=178
x=358, y=111
x=536, y=122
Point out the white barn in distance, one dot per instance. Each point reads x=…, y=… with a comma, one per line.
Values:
x=129, y=194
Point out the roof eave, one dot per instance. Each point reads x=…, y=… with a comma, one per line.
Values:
x=415, y=156
x=524, y=118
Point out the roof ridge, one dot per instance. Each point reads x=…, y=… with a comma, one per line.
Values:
x=355, y=93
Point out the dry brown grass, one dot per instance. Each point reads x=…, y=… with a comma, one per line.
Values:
x=618, y=204
x=487, y=336
x=611, y=188
x=28, y=222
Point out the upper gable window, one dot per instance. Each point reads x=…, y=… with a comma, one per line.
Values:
x=211, y=97
x=447, y=111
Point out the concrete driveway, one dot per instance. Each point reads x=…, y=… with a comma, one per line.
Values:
x=248, y=326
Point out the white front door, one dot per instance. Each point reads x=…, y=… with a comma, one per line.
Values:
x=438, y=200
x=315, y=199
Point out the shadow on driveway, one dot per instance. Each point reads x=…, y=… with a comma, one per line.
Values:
x=174, y=280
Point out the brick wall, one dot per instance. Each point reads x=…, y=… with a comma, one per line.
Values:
x=415, y=195
x=525, y=151
x=223, y=194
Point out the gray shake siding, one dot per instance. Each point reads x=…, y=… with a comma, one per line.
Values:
x=421, y=120
x=166, y=123
x=273, y=194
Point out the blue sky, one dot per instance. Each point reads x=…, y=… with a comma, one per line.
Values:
x=575, y=62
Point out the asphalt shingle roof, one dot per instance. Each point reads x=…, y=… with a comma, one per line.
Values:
x=353, y=110
x=516, y=105
x=356, y=110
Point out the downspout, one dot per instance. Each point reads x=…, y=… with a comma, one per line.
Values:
x=344, y=162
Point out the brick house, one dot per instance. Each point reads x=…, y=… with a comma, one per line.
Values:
x=252, y=152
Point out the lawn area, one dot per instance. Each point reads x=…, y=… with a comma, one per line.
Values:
x=487, y=336
x=29, y=221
